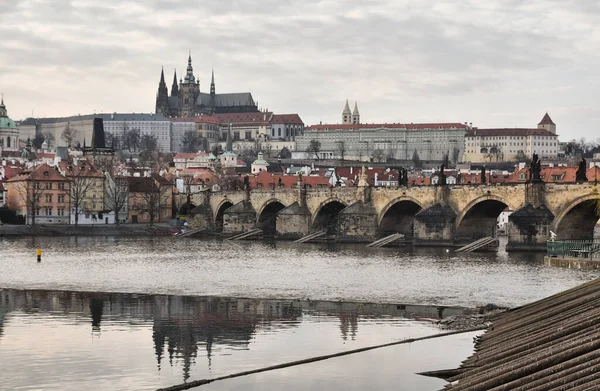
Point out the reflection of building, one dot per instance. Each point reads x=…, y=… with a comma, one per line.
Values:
x=509, y=145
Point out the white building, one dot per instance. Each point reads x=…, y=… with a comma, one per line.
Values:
x=508, y=145
x=155, y=125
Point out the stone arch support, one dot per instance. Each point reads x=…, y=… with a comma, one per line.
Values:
x=267, y=203
x=487, y=197
x=393, y=202
x=570, y=206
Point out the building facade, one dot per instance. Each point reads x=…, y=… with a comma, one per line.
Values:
x=186, y=100
x=365, y=142
x=512, y=144
x=41, y=191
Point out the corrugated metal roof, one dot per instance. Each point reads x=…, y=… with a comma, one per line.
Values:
x=552, y=344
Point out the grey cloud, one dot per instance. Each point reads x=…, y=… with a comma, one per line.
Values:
x=308, y=56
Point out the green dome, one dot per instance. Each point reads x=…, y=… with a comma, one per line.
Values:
x=7, y=123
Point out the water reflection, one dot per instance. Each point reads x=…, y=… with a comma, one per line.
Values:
x=186, y=329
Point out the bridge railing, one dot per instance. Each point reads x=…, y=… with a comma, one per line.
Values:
x=574, y=248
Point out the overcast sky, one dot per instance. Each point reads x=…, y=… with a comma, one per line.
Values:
x=495, y=63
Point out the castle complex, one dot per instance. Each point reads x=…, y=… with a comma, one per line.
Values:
x=186, y=100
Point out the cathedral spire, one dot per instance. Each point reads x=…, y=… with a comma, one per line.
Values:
x=189, y=76
x=175, y=86
x=212, y=83
x=162, y=76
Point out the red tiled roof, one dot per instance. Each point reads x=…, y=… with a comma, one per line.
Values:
x=286, y=119
x=546, y=120
x=508, y=132
x=425, y=126
x=266, y=179
x=43, y=172
x=235, y=118
x=82, y=168
x=197, y=119
x=186, y=156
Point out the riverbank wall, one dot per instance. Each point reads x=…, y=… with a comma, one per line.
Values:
x=7, y=230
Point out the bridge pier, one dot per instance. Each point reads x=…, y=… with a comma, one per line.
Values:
x=293, y=222
x=434, y=226
x=529, y=228
x=357, y=223
x=239, y=218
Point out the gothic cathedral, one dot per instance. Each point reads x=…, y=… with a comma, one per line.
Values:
x=186, y=100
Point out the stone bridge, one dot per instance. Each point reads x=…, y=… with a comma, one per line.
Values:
x=430, y=215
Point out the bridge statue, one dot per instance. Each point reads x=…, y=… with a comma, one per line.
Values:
x=581, y=175
x=483, y=179
x=535, y=168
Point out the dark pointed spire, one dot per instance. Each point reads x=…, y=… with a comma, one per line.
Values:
x=175, y=86
x=229, y=142
x=162, y=77
x=212, y=83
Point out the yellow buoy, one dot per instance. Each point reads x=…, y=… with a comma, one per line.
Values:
x=38, y=252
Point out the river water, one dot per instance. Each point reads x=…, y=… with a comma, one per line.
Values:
x=129, y=313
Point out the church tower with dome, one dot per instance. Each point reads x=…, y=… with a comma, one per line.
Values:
x=9, y=132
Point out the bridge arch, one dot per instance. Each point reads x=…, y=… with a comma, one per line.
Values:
x=223, y=205
x=479, y=217
x=577, y=219
x=266, y=218
x=398, y=216
x=327, y=214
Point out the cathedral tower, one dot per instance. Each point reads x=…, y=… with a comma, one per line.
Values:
x=355, y=114
x=189, y=90
x=347, y=114
x=162, y=96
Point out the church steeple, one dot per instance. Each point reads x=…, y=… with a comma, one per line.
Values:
x=346, y=114
x=3, y=112
x=189, y=76
x=355, y=114
x=212, y=83
x=162, y=96
x=175, y=86
x=229, y=142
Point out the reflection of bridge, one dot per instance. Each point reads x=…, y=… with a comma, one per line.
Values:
x=442, y=215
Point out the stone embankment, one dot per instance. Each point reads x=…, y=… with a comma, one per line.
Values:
x=7, y=230
x=471, y=321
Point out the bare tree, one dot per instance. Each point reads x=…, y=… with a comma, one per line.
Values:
x=49, y=138
x=69, y=134
x=416, y=159
x=30, y=192
x=378, y=155
x=80, y=183
x=341, y=149
x=191, y=141
x=116, y=194
x=156, y=197
x=314, y=147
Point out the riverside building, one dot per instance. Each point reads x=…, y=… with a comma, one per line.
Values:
x=353, y=140
x=512, y=144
